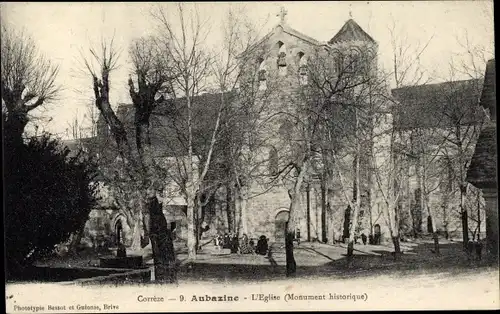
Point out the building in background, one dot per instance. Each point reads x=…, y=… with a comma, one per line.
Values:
x=482, y=172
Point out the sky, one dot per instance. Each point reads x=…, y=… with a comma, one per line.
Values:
x=63, y=31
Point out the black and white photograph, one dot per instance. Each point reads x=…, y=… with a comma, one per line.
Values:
x=249, y=156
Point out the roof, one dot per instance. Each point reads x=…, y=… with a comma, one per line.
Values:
x=482, y=171
x=437, y=105
x=351, y=31
x=488, y=95
x=168, y=124
x=287, y=29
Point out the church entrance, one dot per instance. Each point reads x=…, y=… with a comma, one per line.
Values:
x=280, y=225
x=119, y=232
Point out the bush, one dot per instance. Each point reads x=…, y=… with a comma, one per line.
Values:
x=48, y=195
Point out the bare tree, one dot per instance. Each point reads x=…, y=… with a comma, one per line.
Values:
x=407, y=69
x=192, y=64
x=347, y=85
x=387, y=172
x=152, y=75
x=28, y=80
x=467, y=120
x=235, y=70
x=461, y=135
x=75, y=127
x=330, y=106
x=450, y=125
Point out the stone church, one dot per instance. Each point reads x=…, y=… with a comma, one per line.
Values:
x=279, y=62
x=282, y=59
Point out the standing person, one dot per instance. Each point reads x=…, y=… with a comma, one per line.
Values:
x=363, y=238
x=220, y=241
x=226, y=241
x=234, y=244
x=478, y=246
x=262, y=246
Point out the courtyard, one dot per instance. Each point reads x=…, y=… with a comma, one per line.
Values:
x=314, y=260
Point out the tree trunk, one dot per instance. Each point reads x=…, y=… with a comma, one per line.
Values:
x=241, y=201
x=478, y=217
x=464, y=215
x=436, y=242
x=445, y=221
x=101, y=91
x=191, y=236
x=308, y=212
x=142, y=137
x=291, y=265
x=347, y=223
x=393, y=226
x=446, y=198
x=200, y=217
x=197, y=223
x=14, y=126
x=356, y=203
x=350, y=249
x=324, y=236
x=136, y=233
x=433, y=226
x=161, y=243
x=419, y=200
x=397, y=247
x=230, y=208
x=350, y=243
x=243, y=208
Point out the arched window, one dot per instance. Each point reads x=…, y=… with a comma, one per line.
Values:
x=353, y=61
x=338, y=60
x=281, y=58
x=262, y=74
x=302, y=68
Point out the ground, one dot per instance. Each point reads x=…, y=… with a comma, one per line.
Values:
x=314, y=260
x=419, y=279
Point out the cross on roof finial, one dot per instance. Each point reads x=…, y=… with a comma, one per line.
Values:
x=350, y=11
x=282, y=14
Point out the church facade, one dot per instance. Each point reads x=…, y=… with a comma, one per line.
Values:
x=278, y=67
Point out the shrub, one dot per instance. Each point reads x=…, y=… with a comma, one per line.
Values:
x=48, y=194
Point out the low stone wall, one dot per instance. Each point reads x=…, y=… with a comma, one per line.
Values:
x=63, y=274
x=132, y=276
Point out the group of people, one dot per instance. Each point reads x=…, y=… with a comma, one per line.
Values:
x=243, y=245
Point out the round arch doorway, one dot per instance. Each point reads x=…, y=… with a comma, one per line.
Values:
x=119, y=232
x=280, y=222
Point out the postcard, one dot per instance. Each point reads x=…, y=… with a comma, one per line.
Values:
x=255, y=156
